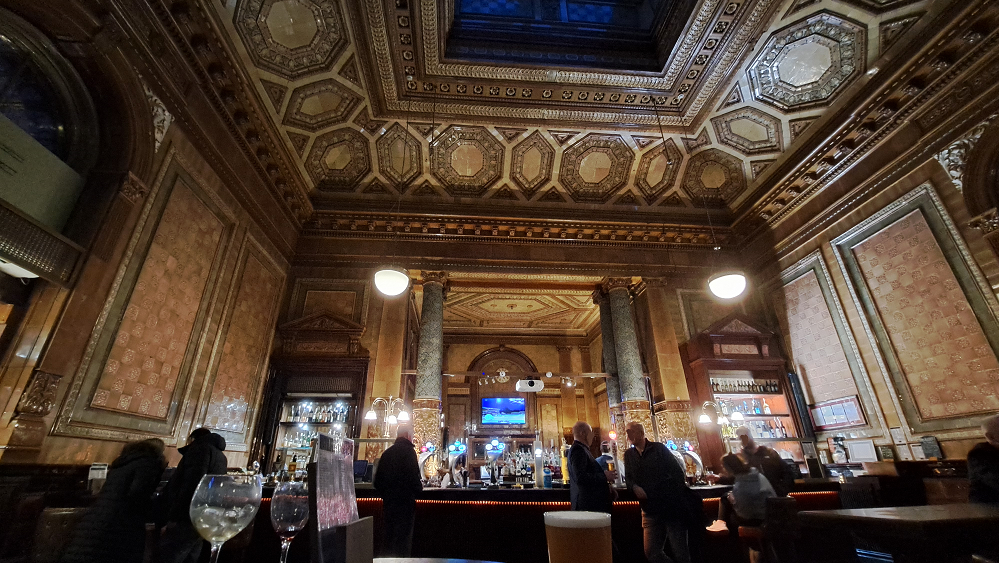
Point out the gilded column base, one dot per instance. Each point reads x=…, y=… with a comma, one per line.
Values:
x=638, y=411
x=427, y=428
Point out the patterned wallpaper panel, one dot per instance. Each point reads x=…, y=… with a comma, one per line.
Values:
x=949, y=365
x=149, y=347
x=815, y=344
x=245, y=347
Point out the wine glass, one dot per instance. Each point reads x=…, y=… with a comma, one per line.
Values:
x=289, y=512
x=223, y=505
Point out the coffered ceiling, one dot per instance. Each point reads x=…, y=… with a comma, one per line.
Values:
x=393, y=104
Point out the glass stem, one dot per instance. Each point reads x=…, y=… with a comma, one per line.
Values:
x=285, y=546
x=216, y=548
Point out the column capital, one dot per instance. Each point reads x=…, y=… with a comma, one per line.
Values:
x=598, y=296
x=438, y=278
x=610, y=284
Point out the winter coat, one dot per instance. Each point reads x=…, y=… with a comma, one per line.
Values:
x=397, y=477
x=202, y=457
x=983, y=474
x=588, y=487
x=114, y=528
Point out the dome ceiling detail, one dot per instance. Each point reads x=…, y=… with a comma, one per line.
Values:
x=361, y=89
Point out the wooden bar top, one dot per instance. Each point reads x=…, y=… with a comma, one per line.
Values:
x=955, y=514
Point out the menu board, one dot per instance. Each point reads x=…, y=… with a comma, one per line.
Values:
x=838, y=413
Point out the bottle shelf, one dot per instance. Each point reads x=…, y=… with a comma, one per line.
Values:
x=306, y=448
x=285, y=422
x=720, y=394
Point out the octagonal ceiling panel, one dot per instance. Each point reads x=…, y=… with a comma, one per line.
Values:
x=467, y=160
x=749, y=131
x=339, y=160
x=292, y=38
x=320, y=105
x=808, y=62
x=531, y=163
x=657, y=171
x=714, y=177
x=495, y=310
x=596, y=167
x=400, y=155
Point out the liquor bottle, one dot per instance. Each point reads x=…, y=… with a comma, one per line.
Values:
x=724, y=407
x=766, y=407
x=756, y=407
x=293, y=465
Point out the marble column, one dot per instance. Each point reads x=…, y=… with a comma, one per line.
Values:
x=609, y=356
x=429, y=361
x=634, y=399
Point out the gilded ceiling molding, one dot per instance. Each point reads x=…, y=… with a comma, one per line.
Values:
x=987, y=222
x=954, y=157
x=914, y=92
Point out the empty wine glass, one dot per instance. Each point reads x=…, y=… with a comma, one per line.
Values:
x=289, y=512
x=223, y=505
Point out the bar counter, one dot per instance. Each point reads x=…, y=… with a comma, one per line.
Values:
x=478, y=494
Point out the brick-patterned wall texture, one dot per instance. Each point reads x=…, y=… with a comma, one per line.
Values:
x=142, y=369
x=815, y=345
x=948, y=363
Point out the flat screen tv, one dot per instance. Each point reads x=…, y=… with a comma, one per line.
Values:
x=504, y=410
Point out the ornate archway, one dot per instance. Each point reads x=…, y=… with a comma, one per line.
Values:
x=502, y=358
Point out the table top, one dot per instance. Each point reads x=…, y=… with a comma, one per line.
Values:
x=425, y=560
x=948, y=514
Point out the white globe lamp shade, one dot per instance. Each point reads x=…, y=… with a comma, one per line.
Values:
x=704, y=419
x=722, y=420
x=737, y=417
x=403, y=416
x=392, y=419
x=391, y=281
x=727, y=285
x=370, y=415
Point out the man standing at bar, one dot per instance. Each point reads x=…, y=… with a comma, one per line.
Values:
x=766, y=461
x=656, y=478
x=589, y=485
x=397, y=479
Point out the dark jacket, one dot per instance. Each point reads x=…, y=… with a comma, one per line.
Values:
x=658, y=472
x=588, y=489
x=769, y=463
x=983, y=473
x=202, y=457
x=114, y=527
x=397, y=477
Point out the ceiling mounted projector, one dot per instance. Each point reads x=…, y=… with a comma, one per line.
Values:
x=530, y=385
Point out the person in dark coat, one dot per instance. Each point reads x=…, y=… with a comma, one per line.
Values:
x=114, y=527
x=589, y=485
x=767, y=462
x=660, y=483
x=180, y=542
x=983, y=465
x=397, y=479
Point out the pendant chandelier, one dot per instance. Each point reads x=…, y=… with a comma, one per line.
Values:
x=728, y=284
x=392, y=279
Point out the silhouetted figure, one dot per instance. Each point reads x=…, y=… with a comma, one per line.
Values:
x=983, y=465
x=605, y=456
x=668, y=513
x=589, y=487
x=114, y=527
x=397, y=479
x=767, y=461
x=180, y=542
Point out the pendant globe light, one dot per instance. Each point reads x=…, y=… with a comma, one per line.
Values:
x=393, y=280
x=723, y=285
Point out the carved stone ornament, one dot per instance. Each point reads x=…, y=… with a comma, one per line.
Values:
x=611, y=284
x=435, y=277
x=133, y=189
x=954, y=158
x=322, y=334
x=39, y=396
x=987, y=222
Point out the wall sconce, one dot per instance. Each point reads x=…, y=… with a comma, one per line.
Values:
x=394, y=411
x=706, y=418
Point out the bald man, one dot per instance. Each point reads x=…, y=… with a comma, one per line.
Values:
x=983, y=465
x=589, y=485
x=660, y=483
x=397, y=480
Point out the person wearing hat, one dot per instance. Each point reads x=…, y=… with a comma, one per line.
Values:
x=766, y=461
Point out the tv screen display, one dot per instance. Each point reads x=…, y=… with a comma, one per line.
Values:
x=504, y=410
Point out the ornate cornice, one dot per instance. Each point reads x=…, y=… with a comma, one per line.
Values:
x=207, y=55
x=384, y=226
x=912, y=94
x=610, y=284
x=133, y=189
